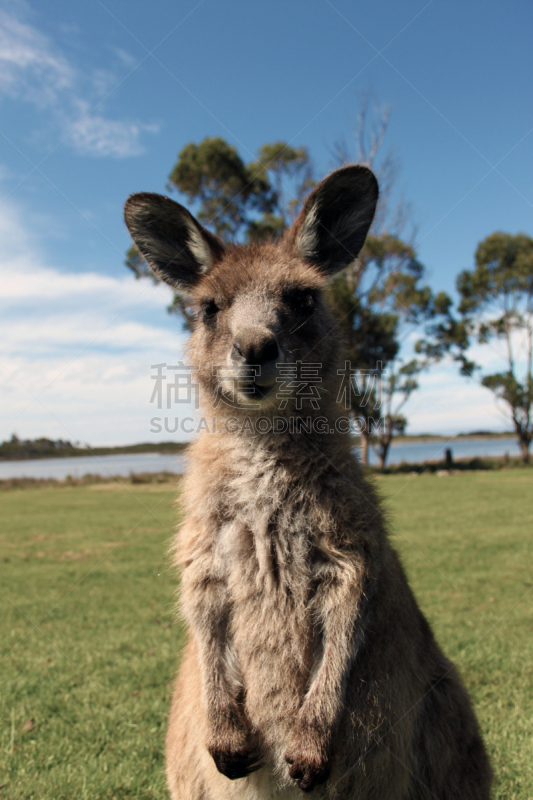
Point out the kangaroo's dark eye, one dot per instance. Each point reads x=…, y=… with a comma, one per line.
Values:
x=209, y=310
x=301, y=301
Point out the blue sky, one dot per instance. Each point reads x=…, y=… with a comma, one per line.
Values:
x=97, y=99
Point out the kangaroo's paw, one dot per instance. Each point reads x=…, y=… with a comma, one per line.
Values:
x=308, y=761
x=235, y=754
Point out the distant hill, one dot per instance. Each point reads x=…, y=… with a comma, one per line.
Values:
x=16, y=449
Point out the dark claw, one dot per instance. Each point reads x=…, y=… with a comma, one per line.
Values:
x=306, y=776
x=237, y=765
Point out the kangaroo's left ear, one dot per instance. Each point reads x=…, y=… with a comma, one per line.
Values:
x=177, y=248
x=332, y=226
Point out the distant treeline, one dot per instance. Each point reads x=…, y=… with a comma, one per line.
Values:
x=16, y=449
x=436, y=437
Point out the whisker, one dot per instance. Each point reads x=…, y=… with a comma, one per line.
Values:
x=299, y=326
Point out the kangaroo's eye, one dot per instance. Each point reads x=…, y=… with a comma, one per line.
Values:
x=308, y=302
x=210, y=310
x=301, y=301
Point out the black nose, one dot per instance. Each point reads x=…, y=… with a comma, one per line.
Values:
x=257, y=350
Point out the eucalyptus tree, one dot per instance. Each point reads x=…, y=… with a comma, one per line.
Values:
x=496, y=304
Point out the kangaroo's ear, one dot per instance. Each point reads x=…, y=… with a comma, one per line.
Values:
x=177, y=248
x=334, y=221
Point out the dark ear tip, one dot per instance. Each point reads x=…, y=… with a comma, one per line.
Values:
x=144, y=198
x=361, y=174
x=141, y=205
x=355, y=169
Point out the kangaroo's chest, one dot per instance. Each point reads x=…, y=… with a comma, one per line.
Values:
x=273, y=635
x=267, y=564
x=267, y=550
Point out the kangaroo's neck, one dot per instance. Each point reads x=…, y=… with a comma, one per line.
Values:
x=290, y=455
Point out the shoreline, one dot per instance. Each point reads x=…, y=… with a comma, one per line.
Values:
x=163, y=448
x=460, y=437
x=154, y=479
x=178, y=448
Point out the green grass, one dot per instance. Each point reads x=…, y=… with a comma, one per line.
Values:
x=89, y=641
x=466, y=541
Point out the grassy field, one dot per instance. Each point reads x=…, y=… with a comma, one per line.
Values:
x=89, y=641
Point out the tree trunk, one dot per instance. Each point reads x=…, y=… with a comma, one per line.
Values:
x=365, y=441
x=524, y=438
x=523, y=441
x=384, y=445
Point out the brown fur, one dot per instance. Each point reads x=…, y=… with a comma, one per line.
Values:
x=309, y=664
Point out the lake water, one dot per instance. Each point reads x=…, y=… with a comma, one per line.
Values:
x=122, y=465
x=418, y=452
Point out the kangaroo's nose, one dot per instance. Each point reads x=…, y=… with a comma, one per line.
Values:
x=255, y=347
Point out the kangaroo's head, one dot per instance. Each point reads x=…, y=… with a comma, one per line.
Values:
x=258, y=307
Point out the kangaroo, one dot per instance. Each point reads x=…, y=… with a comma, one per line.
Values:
x=309, y=665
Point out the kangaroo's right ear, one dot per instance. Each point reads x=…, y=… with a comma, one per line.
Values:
x=334, y=221
x=177, y=248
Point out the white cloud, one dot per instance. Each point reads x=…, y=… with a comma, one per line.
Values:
x=24, y=276
x=450, y=404
x=80, y=342
x=124, y=57
x=28, y=66
x=33, y=70
x=95, y=135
